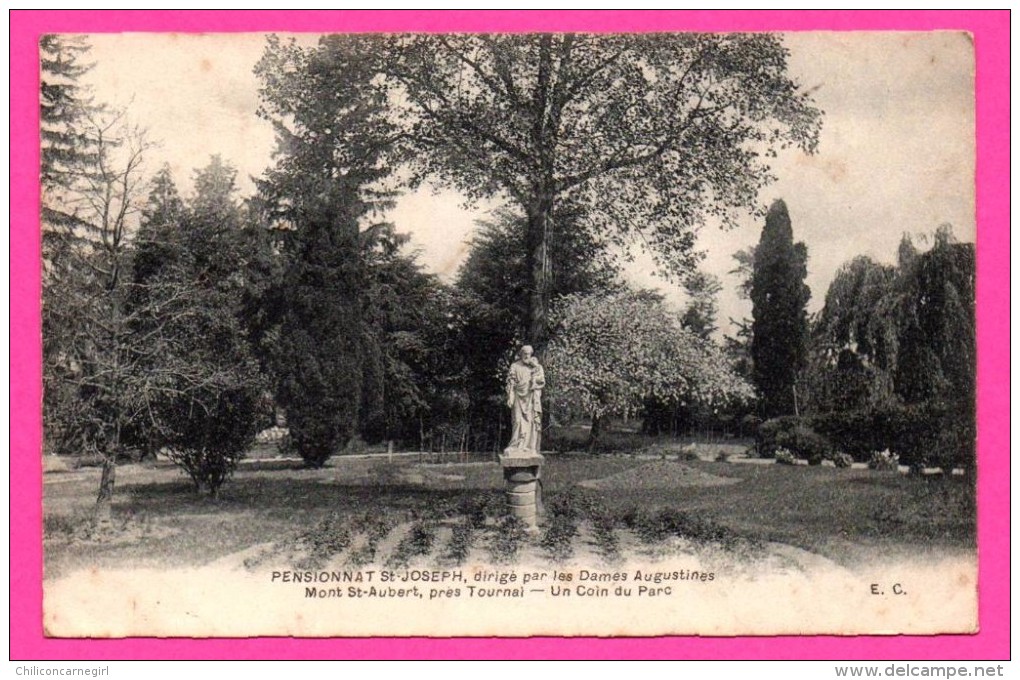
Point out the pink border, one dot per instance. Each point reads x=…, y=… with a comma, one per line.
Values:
x=991, y=35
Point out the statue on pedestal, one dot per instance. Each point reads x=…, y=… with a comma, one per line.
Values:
x=524, y=385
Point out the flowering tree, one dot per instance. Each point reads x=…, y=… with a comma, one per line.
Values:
x=609, y=353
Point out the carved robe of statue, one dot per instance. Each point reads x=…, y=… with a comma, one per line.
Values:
x=524, y=397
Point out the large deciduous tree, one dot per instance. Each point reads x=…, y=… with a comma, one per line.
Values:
x=653, y=135
x=936, y=358
x=854, y=341
x=90, y=378
x=779, y=299
x=895, y=347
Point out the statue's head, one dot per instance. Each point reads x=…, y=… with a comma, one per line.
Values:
x=526, y=352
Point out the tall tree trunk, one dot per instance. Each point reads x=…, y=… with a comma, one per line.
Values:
x=540, y=212
x=538, y=240
x=106, y=481
x=595, y=434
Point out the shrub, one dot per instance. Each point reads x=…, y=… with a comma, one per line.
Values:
x=603, y=527
x=785, y=457
x=506, y=542
x=854, y=432
x=207, y=437
x=806, y=443
x=930, y=433
x=768, y=433
x=563, y=513
x=206, y=467
x=795, y=435
x=884, y=461
x=672, y=522
x=375, y=529
x=328, y=537
x=419, y=541
x=954, y=446
x=606, y=539
x=461, y=541
x=481, y=506
x=842, y=460
x=559, y=537
x=644, y=524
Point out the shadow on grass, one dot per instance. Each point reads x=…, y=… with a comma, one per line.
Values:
x=286, y=496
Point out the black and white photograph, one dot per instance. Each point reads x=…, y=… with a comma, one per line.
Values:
x=508, y=334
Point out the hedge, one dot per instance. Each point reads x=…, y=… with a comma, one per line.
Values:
x=937, y=434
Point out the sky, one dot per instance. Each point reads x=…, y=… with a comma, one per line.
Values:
x=896, y=152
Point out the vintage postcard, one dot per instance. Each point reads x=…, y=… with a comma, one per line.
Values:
x=508, y=335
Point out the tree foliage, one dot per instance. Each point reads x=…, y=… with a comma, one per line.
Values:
x=738, y=345
x=413, y=317
x=140, y=333
x=67, y=148
x=902, y=334
x=67, y=154
x=608, y=354
x=492, y=288
x=351, y=354
x=779, y=299
x=651, y=135
x=700, y=314
x=91, y=380
x=204, y=390
x=852, y=340
x=937, y=351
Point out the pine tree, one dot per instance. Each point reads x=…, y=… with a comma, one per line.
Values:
x=779, y=299
x=702, y=307
x=64, y=106
x=161, y=218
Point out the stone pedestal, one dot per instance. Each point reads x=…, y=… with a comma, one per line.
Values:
x=522, y=472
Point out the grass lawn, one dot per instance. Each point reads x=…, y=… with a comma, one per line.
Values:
x=159, y=521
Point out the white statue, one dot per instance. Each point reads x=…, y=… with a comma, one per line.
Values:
x=524, y=397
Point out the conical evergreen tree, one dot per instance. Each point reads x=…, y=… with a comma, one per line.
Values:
x=63, y=106
x=323, y=195
x=779, y=299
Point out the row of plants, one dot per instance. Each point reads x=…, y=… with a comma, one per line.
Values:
x=480, y=520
